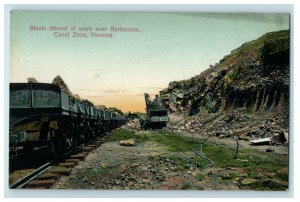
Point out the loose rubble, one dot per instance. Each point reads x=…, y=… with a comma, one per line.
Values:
x=133, y=124
x=61, y=84
x=247, y=127
x=32, y=80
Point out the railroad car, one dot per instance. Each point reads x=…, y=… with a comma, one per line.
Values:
x=157, y=114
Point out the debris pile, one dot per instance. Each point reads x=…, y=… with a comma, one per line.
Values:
x=193, y=125
x=271, y=129
x=133, y=124
x=77, y=97
x=31, y=80
x=60, y=83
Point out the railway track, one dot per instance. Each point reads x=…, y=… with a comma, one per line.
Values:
x=46, y=175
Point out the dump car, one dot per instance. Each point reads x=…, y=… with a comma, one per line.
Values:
x=157, y=114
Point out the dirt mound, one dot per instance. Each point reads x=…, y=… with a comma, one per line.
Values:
x=32, y=80
x=60, y=83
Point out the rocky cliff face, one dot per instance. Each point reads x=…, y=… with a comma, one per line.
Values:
x=254, y=77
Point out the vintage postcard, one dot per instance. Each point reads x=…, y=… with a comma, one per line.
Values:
x=149, y=101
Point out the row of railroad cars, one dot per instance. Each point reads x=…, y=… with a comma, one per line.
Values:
x=44, y=116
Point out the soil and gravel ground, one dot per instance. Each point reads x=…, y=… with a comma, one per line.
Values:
x=18, y=174
x=163, y=160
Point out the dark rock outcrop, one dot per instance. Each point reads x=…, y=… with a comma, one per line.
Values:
x=253, y=77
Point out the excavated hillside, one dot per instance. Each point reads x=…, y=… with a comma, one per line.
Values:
x=252, y=80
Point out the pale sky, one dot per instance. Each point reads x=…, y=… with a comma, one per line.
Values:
x=117, y=71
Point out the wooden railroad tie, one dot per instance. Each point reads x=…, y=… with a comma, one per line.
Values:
x=67, y=165
x=84, y=153
x=75, y=161
x=40, y=183
x=92, y=146
x=86, y=149
x=36, y=187
x=78, y=156
x=46, y=176
x=60, y=170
